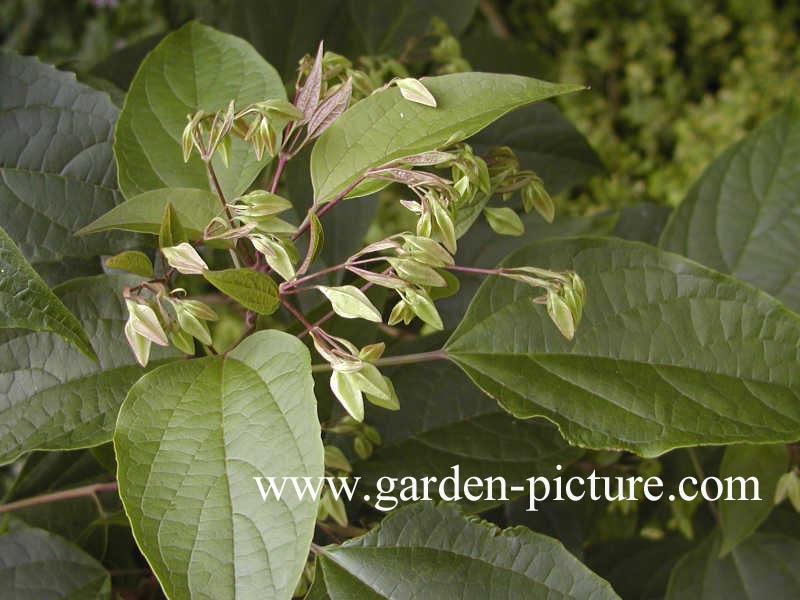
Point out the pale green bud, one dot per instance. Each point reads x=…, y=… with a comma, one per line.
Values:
x=504, y=221
x=560, y=314
x=427, y=251
x=350, y=302
x=348, y=394
x=144, y=321
x=138, y=343
x=335, y=459
x=415, y=91
x=185, y=259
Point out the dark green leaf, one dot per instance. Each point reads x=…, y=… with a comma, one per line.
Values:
x=56, y=167
x=444, y=421
x=35, y=564
x=763, y=566
x=190, y=439
x=739, y=518
x=741, y=216
x=432, y=552
x=27, y=302
x=252, y=289
x=53, y=396
x=545, y=141
x=385, y=126
x=181, y=76
x=668, y=354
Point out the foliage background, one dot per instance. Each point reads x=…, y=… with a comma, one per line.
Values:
x=674, y=83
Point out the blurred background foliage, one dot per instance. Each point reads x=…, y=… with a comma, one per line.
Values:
x=673, y=81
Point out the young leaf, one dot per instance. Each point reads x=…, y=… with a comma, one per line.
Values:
x=504, y=221
x=423, y=549
x=132, y=261
x=145, y=213
x=27, y=302
x=704, y=357
x=421, y=304
x=411, y=271
x=34, y=560
x=744, y=207
x=222, y=421
x=171, y=232
x=308, y=96
x=175, y=80
x=185, y=259
x=415, y=91
x=56, y=397
x=252, y=289
x=765, y=462
x=350, y=302
x=329, y=110
x=347, y=392
x=468, y=102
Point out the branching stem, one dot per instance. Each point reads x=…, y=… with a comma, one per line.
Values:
x=403, y=359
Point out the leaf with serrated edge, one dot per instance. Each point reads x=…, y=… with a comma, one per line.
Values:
x=427, y=436
x=741, y=216
x=423, y=551
x=34, y=562
x=191, y=437
x=385, y=126
x=56, y=166
x=668, y=354
x=179, y=77
x=54, y=397
x=27, y=302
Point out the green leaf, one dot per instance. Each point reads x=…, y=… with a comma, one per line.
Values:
x=56, y=167
x=54, y=397
x=252, y=289
x=385, y=126
x=504, y=221
x=427, y=436
x=191, y=437
x=741, y=216
x=427, y=551
x=738, y=519
x=35, y=564
x=132, y=261
x=547, y=142
x=668, y=354
x=145, y=213
x=763, y=566
x=194, y=68
x=350, y=302
x=171, y=233
x=27, y=302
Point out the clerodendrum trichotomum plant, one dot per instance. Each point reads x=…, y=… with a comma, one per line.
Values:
x=239, y=239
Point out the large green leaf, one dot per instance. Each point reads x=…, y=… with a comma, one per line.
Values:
x=145, y=212
x=669, y=353
x=434, y=430
x=54, y=397
x=190, y=438
x=425, y=551
x=738, y=518
x=194, y=68
x=763, y=566
x=385, y=126
x=544, y=140
x=743, y=217
x=35, y=564
x=27, y=302
x=56, y=166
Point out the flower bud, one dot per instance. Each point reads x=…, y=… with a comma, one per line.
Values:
x=185, y=259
